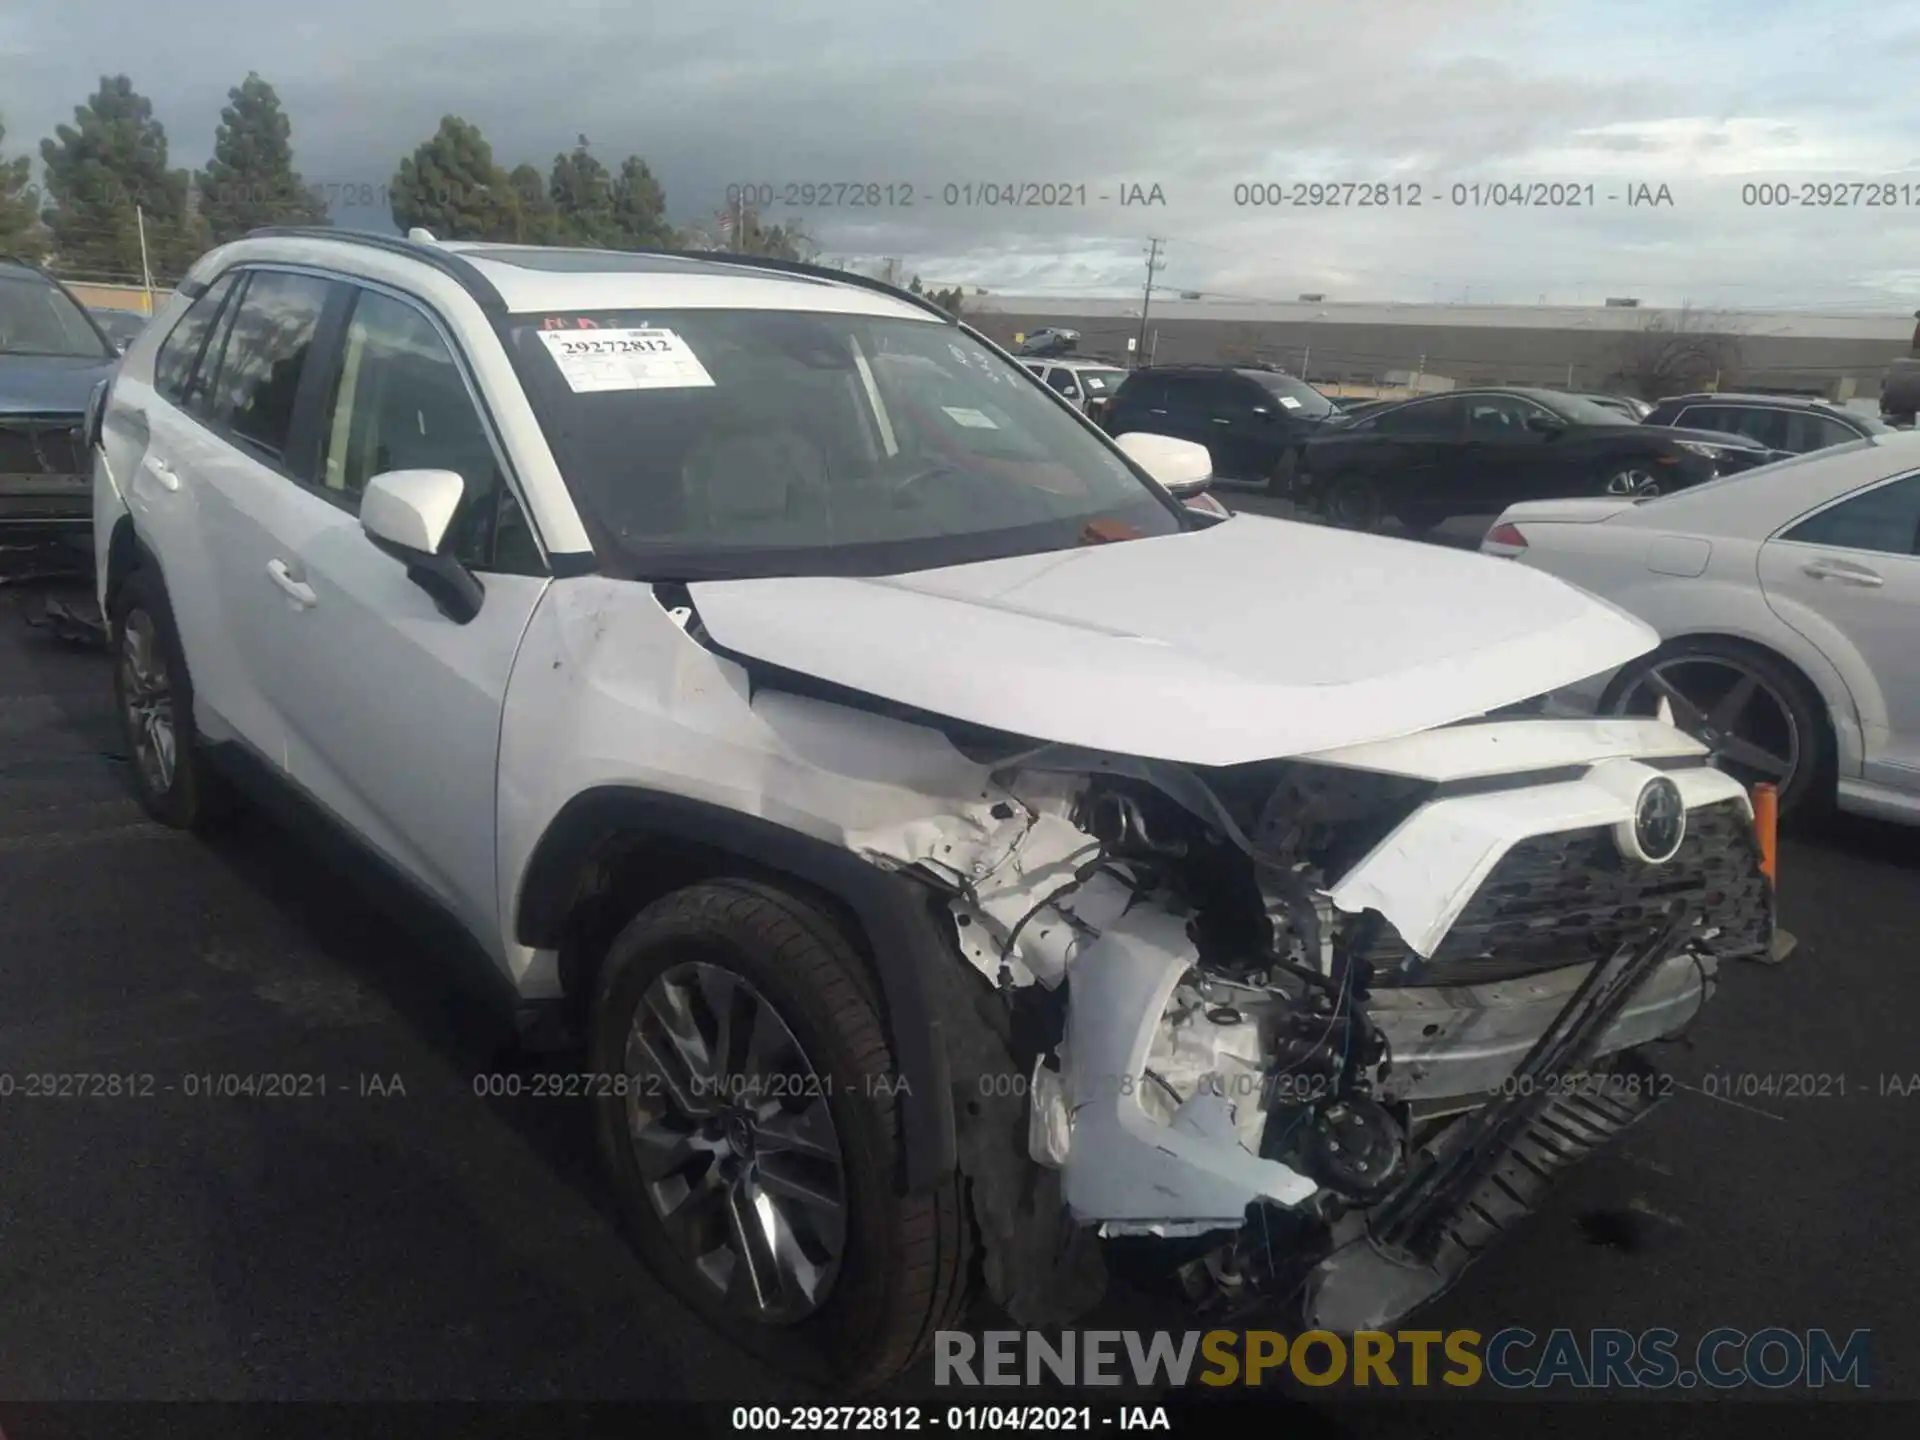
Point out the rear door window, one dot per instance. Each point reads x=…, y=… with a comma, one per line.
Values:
x=180, y=352
x=265, y=356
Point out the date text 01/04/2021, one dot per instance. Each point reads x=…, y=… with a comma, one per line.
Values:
x=909, y=1419
x=953, y=195
x=198, y=1085
x=735, y=1088
x=1462, y=195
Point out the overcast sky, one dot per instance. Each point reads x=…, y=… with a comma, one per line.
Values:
x=1194, y=96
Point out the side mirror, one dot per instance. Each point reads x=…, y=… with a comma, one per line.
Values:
x=96, y=422
x=1544, y=425
x=1179, y=465
x=407, y=513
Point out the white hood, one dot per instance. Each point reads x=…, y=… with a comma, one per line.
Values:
x=1251, y=640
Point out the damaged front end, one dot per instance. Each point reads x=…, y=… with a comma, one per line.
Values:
x=1325, y=1029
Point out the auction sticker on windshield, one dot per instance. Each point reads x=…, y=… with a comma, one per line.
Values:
x=972, y=419
x=1289, y=402
x=593, y=360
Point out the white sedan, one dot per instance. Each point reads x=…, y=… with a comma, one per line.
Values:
x=1788, y=605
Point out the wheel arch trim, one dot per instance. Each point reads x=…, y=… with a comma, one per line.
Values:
x=897, y=917
x=1837, y=709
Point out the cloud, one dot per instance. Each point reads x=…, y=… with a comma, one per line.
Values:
x=1196, y=98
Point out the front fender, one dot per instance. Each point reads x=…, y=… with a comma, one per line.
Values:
x=897, y=915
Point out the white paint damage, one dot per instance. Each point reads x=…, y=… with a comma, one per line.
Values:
x=1086, y=646
x=1156, y=1109
x=1158, y=1155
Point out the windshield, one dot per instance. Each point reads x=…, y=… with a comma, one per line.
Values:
x=1296, y=397
x=1101, y=382
x=1582, y=411
x=705, y=444
x=37, y=318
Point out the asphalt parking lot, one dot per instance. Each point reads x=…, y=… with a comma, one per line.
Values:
x=401, y=1237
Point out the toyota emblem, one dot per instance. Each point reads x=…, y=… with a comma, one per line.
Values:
x=1659, y=821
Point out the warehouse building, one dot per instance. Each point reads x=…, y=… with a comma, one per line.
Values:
x=1620, y=346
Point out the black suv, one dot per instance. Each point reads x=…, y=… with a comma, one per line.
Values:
x=52, y=355
x=1475, y=452
x=1253, y=421
x=1792, y=424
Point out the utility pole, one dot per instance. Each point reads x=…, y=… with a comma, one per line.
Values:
x=1146, y=296
x=146, y=270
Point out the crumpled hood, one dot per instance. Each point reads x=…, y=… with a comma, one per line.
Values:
x=49, y=384
x=1253, y=639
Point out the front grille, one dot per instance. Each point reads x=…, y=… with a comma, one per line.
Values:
x=1573, y=898
x=41, y=446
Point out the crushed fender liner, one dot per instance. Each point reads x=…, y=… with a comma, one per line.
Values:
x=1487, y=1172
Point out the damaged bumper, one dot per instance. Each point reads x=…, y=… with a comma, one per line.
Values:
x=1425, y=1012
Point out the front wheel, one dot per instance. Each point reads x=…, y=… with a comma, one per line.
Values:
x=750, y=1127
x=1759, y=720
x=1285, y=471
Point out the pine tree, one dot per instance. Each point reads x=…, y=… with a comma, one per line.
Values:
x=535, y=221
x=250, y=181
x=582, y=193
x=451, y=185
x=106, y=174
x=639, y=208
x=20, y=230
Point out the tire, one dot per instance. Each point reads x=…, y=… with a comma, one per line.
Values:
x=151, y=680
x=1629, y=479
x=1353, y=503
x=904, y=1265
x=1809, y=793
x=1285, y=469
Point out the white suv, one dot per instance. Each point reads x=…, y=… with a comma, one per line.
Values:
x=948, y=850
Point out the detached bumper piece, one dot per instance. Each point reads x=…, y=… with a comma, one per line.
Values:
x=1490, y=1169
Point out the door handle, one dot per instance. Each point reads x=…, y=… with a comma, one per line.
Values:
x=298, y=591
x=161, y=471
x=1221, y=420
x=1845, y=574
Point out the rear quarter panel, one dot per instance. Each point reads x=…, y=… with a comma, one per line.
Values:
x=1611, y=561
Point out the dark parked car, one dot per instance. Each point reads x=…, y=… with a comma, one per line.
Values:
x=1627, y=405
x=120, y=326
x=1788, y=423
x=52, y=355
x=1252, y=421
x=1475, y=452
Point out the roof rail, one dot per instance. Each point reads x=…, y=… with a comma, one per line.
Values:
x=451, y=263
x=447, y=262
x=803, y=268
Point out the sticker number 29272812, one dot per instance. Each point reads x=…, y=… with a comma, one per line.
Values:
x=596, y=360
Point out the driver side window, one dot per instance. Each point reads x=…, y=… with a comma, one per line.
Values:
x=400, y=402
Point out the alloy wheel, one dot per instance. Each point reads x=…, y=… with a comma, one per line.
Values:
x=1353, y=505
x=146, y=691
x=1635, y=482
x=1745, y=723
x=735, y=1142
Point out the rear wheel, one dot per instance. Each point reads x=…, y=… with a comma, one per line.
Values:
x=1759, y=718
x=1631, y=479
x=755, y=1146
x=1353, y=503
x=153, y=694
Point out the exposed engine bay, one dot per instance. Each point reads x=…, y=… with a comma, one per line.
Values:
x=1323, y=1101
